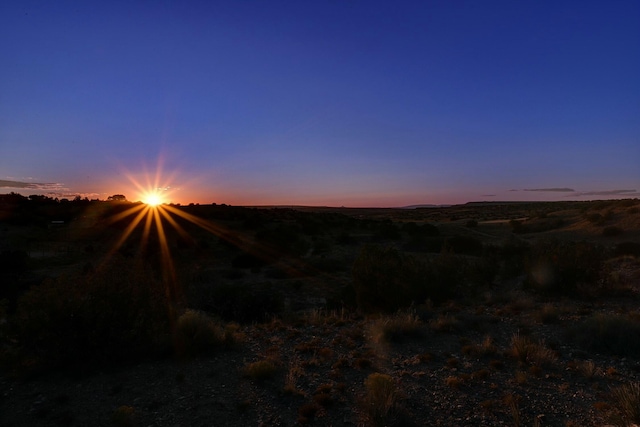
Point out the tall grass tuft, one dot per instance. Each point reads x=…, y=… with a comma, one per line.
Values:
x=626, y=401
x=396, y=328
x=382, y=396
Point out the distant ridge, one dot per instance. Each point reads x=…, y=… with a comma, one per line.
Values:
x=425, y=206
x=508, y=202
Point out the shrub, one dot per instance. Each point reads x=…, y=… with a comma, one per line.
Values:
x=565, y=267
x=423, y=238
x=307, y=412
x=595, y=218
x=628, y=248
x=284, y=239
x=13, y=265
x=608, y=333
x=197, y=334
x=420, y=243
x=517, y=226
x=514, y=253
x=239, y=302
x=388, y=231
x=260, y=370
x=424, y=230
x=124, y=416
x=482, y=272
x=118, y=312
x=611, y=231
x=396, y=328
x=248, y=261
x=548, y=313
x=467, y=245
x=381, y=397
x=385, y=279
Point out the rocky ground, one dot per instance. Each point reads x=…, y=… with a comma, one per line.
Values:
x=455, y=365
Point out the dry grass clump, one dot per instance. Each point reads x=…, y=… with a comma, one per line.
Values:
x=362, y=363
x=526, y=350
x=588, y=368
x=521, y=377
x=396, y=328
x=322, y=396
x=547, y=314
x=520, y=303
x=485, y=348
x=124, y=416
x=307, y=412
x=294, y=372
x=453, y=381
x=520, y=346
x=381, y=397
x=445, y=323
x=481, y=374
x=198, y=334
x=321, y=316
x=260, y=370
x=626, y=404
x=513, y=404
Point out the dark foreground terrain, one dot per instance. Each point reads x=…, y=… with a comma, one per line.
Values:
x=516, y=314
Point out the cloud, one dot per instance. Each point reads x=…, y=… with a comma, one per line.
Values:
x=37, y=186
x=609, y=193
x=555, y=189
x=488, y=195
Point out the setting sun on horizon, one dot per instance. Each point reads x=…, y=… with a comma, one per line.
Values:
x=312, y=212
x=152, y=199
x=322, y=103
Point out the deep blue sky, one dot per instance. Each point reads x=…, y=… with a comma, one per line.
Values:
x=357, y=103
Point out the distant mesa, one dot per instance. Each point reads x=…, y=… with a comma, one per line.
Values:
x=424, y=206
x=610, y=193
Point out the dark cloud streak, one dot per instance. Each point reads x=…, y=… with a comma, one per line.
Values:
x=38, y=186
x=552, y=190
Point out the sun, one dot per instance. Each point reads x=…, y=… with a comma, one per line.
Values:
x=152, y=199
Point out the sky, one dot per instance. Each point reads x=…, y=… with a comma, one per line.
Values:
x=338, y=103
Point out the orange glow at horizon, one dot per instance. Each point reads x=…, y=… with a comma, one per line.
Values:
x=157, y=223
x=152, y=199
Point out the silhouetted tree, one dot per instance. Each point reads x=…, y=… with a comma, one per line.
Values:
x=117, y=198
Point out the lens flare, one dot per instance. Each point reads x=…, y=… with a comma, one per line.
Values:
x=159, y=225
x=152, y=199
